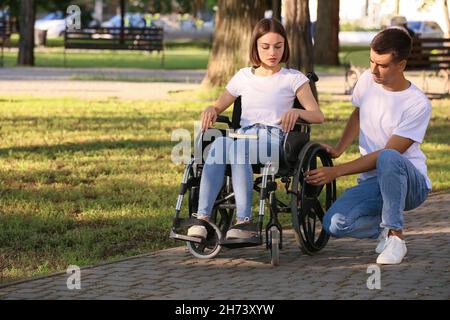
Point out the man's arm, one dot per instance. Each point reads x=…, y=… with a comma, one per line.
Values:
x=349, y=135
x=366, y=163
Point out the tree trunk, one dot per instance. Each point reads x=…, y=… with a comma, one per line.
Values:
x=196, y=7
x=298, y=28
x=26, y=26
x=326, y=39
x=447, y=18
x=276, y=9
x=230, y=50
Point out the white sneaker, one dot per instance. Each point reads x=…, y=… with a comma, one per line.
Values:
x=382, y=238
x=394, y=251
x=197, y=231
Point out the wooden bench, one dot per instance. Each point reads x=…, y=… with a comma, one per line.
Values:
x=5, y=33
x=431, y=56
x=144, y=39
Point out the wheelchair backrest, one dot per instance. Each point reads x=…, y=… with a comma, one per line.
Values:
x=237, y=107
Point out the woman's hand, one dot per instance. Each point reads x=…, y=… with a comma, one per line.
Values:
x=288, y=119
x=208, y=117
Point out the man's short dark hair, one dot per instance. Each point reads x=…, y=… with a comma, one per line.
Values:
x=393, y=40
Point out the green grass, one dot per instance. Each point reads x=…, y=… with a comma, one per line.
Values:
x=185, y=58
x=59, y=42
x=86, y=181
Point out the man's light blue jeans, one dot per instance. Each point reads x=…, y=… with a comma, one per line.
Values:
x=240, y=154
x=378, y=202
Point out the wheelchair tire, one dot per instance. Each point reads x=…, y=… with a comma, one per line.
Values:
x=274, y=234
x=220, y=218
x=308, y=202
x=208, y=250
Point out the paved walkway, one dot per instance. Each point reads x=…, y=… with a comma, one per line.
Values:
x=337, y=272
x=149, y=84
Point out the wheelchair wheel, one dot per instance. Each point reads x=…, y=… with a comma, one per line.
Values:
x=274, y=235
x=210, y=247
x=309, y=203
x=220, y=218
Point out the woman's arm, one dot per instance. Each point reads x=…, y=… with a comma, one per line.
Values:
x=209, y=115
x=311, y=114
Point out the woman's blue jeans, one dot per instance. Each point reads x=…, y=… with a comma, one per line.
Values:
x=240, y=154
x=378, y=202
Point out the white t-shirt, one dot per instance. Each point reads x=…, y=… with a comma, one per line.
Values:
x=383, y=113
x=265, y=99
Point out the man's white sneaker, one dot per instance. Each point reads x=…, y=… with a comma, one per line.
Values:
x=382, y=238
x=197, y=231
x=394, y=252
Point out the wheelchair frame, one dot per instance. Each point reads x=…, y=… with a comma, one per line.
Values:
x=299, y=156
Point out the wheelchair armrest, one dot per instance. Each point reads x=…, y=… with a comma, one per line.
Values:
x=302, y=126
x=223, y=119
x=301, y=121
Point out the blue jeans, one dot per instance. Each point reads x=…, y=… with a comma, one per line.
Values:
x=378, y=202
x=240, y=154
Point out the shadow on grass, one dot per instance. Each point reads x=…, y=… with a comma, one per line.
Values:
x=88, y=147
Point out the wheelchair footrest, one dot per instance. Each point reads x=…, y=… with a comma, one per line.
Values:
x=177, y=236
x=240, y=243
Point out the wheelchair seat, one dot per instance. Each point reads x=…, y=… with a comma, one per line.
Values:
x=292, y=144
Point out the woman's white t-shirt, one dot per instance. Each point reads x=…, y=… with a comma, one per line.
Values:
x=265, y=99
x=383, y=113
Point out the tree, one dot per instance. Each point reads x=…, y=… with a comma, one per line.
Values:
x=230, y=49
x=196, y=7
x=298, y=28
x=447, y=16
x=26, y=30
x=326, y=35
x=276, y=9
x=397, y=7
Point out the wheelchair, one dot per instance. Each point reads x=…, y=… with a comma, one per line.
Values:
x=307, y=206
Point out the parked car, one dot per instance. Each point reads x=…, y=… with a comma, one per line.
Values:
x=132, y=20
x=54, y=23
x=426, y=29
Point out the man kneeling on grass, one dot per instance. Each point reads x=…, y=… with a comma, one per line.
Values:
x=391, y=118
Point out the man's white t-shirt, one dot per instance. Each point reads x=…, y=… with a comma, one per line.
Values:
x=265, y=99
x=383, y=113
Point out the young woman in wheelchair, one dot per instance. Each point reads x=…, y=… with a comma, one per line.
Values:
x=268, y=91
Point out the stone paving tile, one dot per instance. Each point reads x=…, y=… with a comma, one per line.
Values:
x=339, y=271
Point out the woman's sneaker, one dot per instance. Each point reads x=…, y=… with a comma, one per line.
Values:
x=241, y=230
x=198, y=232
x=234, y=233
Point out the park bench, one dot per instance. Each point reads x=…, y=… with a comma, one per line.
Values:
x=431, y=56
x=143, y=39
x=5, y=33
